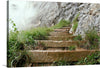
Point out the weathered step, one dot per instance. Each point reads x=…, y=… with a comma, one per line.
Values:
x=80, y=49
x=52, y=43
x=43, y=56
x=60, y=37
x=59, y=34
x=55, y=48
x=66, y=28
x=61, y=30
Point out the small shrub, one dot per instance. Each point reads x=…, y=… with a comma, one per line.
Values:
x=93, y=38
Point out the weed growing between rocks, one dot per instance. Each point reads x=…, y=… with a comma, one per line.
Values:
x=75, y=23
x=78, y=37
x=90, y=59
x=93, y=39
x=61, y=24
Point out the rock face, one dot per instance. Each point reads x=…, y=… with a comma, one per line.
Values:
x=89, y=18
x=50, y=13
x=53, y=12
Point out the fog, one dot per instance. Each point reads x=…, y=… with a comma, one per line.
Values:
x=23, y=13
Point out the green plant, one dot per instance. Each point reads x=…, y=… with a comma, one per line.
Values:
x=75, y=26
x=72, y=48
x=75, y=22
x=12, y=43
x=78, y=37
x=76, y=18
x=15, y=46
x=93, y=38
x=61, y=24
x=90, y=59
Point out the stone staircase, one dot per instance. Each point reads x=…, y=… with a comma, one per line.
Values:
x=56, y=48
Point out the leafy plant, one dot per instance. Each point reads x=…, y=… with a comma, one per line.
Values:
x=12, y=43
x=13, y=25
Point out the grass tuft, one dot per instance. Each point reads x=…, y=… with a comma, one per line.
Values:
x=75, y=22
x=78, y=37
x=61, y=24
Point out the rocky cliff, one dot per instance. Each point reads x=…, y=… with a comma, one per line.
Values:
x=50, y=13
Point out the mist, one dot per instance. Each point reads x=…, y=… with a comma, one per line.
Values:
x=23, y=13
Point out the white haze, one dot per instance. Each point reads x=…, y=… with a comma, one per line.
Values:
x=23, y=14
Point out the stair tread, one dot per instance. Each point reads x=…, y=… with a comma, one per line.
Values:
x=57, y=48
x=59, y=33
x=43, y=56
x=52, y=43
x=61, y=30
x=59, y=41
x=62, y=50
x=60, y=37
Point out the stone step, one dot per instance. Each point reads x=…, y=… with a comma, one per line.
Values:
x=44, y=56
x=60, y=38
x=61, y=30
x=60, y=34
x=66, y=28
x=80, y=49
x=52, y=43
